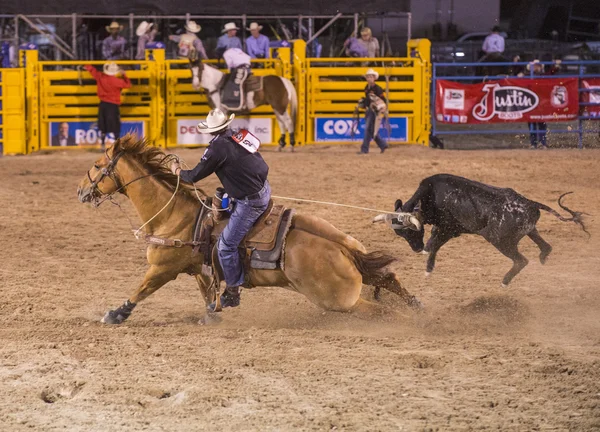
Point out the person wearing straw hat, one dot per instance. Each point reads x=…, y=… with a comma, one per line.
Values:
x=257, y=45
x=145, y=33
x=229, y=39
x=376, y=106
x=235, y=159
x=113, y=47
x=110, y=82
x=189, y=42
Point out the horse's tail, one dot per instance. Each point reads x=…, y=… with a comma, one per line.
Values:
x=370, y=265
x=293, y=101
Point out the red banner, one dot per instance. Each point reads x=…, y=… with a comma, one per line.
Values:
x=591, y=96
x=508, y=100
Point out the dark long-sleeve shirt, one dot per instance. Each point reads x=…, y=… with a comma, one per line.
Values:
x=242, y=173
x=378, y=91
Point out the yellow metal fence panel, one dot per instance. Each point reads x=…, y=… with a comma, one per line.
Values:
x=165, y=106
x=12, y=111
x=68, y=99
x=334, y=87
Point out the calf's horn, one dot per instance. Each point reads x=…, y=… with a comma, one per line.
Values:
x=385, y=217
x=416, y=222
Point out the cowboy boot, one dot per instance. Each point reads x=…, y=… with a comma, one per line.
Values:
x=229, y=298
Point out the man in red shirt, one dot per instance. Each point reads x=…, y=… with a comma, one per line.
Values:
x=110, y=83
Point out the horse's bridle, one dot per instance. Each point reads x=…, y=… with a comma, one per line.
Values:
x=108, y=171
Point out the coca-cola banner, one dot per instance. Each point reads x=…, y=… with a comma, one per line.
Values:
x=508, y=100
x=592, y=96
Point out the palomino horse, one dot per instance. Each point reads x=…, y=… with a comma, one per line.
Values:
x=326, y=265
x=276, y=91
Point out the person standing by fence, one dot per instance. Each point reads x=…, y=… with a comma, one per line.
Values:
x=493, y=45
x=370, y=43
x=229, y=39
x=257, y=45
x=376, y=105
x=146, y=33
x=113, y=47
x=189, y=42
x=110, y=82
x=538, y=130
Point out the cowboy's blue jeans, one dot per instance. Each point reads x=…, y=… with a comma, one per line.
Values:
x=370, y=131
x=245, y=213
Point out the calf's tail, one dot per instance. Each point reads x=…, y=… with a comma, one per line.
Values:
x=576, y=216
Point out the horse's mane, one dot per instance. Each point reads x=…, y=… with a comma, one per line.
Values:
x=152, y=159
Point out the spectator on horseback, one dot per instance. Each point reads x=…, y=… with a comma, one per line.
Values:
x=376, y=105
x=110, y=82
x=235, y=159
x=189, y=42
x=113, y=47
x=229, y=39
x=146, y=33
x=257, y=45
x=493, y=45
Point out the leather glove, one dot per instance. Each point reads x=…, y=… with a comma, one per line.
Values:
x=175, y=168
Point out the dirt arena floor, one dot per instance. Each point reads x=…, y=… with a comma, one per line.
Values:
x=478, y=357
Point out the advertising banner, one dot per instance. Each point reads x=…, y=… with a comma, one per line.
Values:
x=187, y=133
x=340, y=129
x=82, y=133
x=508, y=100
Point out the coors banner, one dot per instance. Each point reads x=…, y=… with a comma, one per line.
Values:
x=508, y=100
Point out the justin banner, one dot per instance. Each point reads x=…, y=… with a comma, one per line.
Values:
x=591, y=96
x=508, y=100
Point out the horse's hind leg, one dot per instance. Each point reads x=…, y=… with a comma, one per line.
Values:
x=390, y=282
x=544, y=246
x=285, y=125
x=156, y=277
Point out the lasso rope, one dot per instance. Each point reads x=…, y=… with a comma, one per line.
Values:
x=137, y=232
x=333, y=204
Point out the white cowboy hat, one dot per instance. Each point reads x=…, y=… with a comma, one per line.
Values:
x=229, y=26
x=111, y=68
x=215, y=121
x=372, y=72
x=143, y=28
x=254, y=26
x=114, y=25
x=191, y=26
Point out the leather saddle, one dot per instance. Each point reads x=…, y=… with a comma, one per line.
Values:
x=262, y=248
x=235, y=87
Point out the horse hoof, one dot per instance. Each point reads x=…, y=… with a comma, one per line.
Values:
x=503, y=285
x=112, y=317
x=427, y=274
x=377, y=294
x=414, y=303
x=424, y=252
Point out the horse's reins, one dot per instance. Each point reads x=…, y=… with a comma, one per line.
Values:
x=109, y=170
